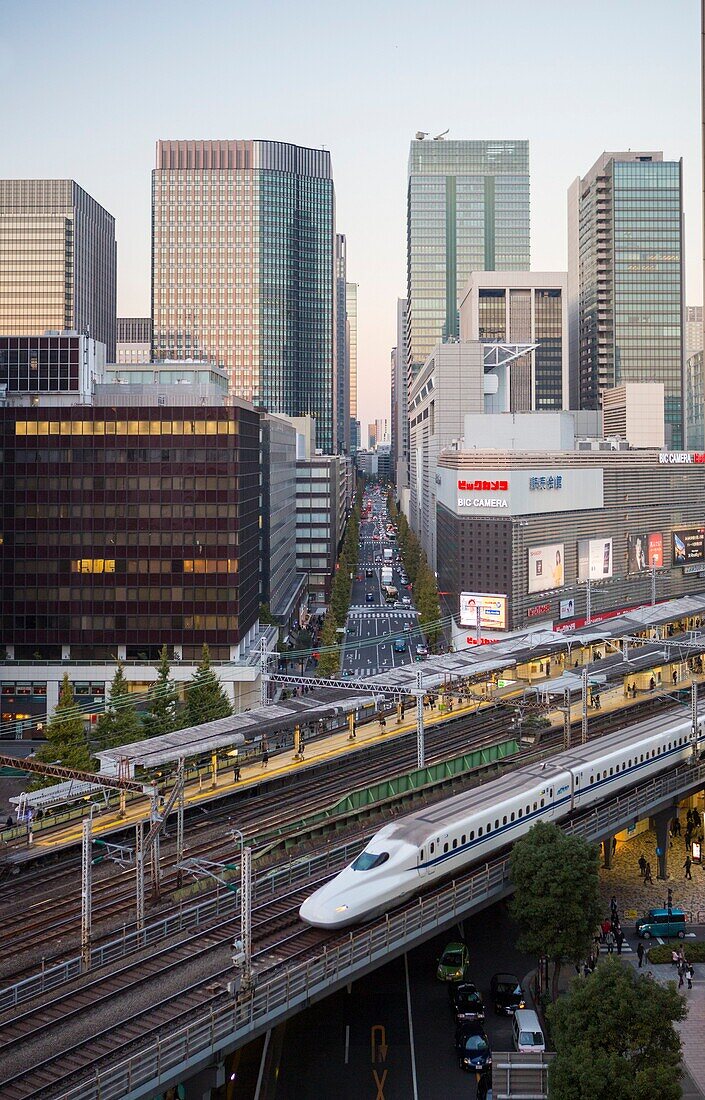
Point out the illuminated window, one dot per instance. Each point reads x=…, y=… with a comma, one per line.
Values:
x=93, y=565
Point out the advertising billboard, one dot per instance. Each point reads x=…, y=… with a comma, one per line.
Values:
x=491, y=607
x=594, y=559
x=688, y=545
x=644, y=550
x=567, y=609
x=546, y=567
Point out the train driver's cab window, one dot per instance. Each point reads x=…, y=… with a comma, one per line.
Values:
x=366, y=861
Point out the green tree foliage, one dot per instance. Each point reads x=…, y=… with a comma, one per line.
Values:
x=205, y=696
x=119, y=724
x=419, y=573
x=329, y=660
x=163, y=714
x=67, y=742
x=615, y=1038
x=556, y=902
x=265, y=615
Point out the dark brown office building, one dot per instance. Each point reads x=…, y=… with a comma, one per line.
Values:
x=129, y=527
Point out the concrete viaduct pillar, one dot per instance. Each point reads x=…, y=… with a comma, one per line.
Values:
x=660, y=823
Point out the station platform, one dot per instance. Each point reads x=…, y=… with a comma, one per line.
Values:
x=203, y=791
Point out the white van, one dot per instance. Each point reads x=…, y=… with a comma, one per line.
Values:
x=527, y=1033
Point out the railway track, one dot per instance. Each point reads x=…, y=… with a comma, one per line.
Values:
x=58, y=917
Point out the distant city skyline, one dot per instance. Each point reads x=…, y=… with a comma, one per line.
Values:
x=152, y=85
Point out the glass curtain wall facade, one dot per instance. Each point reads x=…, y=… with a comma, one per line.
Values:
x=243, y=269
x=342, y=349
x=526, y=316
x=58, y=261
x=134, y=340
x=467, y=210
x=134, y=526
x=351, y=312
x=630, y=263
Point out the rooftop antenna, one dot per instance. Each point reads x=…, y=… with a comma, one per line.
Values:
x=420, y=135
x=439, y=137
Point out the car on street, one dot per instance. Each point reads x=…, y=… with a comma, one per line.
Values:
x=406, y=600
x=421, y=651
x=507, y=994
x=352, y=629
x=466, y=1002
x=452, y=963
x=473, y=1047
x=400, y=645
x=369, y=597
x=369, y=572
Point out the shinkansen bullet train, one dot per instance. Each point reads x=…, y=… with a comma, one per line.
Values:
x=409, y=854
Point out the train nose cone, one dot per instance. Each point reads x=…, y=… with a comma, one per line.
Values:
x=323, y=914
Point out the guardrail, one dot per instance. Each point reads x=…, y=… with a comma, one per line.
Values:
x=268, y=881
x=229, y=1026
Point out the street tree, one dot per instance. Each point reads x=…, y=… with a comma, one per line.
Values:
x=205, y=696
x=67, y=741
x=329, y=660
x=614, y=1037
x=119, y=724
x=163, y=714
x=556, y=900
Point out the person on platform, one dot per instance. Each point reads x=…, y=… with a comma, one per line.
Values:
x=647, y=874
x=688, y=865
x=640, y=952
x=642, y=865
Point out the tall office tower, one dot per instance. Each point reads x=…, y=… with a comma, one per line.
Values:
x=693, y=330
x=243, y=245
x=467, y=210
x=58, y=261
x=342, y=349
x=134, y=340
x=625, y=280
x=400, y=403
x=351, y=310
x=524, y=307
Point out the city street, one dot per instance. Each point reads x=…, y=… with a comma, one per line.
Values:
x=373, y=618
x=335, y=1048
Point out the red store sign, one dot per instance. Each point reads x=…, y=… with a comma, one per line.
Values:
x=484, y=486
x=540, y=609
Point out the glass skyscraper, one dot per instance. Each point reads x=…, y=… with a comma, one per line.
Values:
x=342, y=349
x=243, y=245
x=58, y=261
x=625, y=256
x=467, y=210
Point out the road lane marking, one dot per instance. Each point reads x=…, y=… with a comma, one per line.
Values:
x=414, y=1083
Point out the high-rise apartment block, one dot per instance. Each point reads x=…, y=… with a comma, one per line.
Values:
x=243, y=247
x=467, y=210
x=134, y=340
x=342, y=348
x=400, y=403
x=693, y=330
x=351, y=313
x=625, y=280
x=523, y=308
x=58, y=261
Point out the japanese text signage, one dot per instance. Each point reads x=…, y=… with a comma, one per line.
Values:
x=681, y=458
x=482, y=486
x=550, y=482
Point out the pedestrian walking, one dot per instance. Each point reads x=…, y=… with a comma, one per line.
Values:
x=675, y=676
x=642, y=864
x=640, y=952
x=681, y=973
x=687, y=865
x=647, y=874
x=690, y=974
x=696, y=819
x=677, y=827
x=265, y=758
x=236, y=773
x=609, y=940
x=613, y=909
x=652, y=684
x=605, y=927
x=597, y=701
x=619, y=939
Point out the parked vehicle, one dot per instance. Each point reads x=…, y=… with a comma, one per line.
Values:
x=659, y=922
x=452, y=963
x=473, y=1047
x=527, y=1033
x=507, y=994
x=466, y=1003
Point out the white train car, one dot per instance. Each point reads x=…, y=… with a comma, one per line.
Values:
x=438, y=841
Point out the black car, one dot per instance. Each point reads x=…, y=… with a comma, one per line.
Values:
x=466, y=1002
x=369, y=573
x=472, y=1045
x=507, y=994
x=369, y=598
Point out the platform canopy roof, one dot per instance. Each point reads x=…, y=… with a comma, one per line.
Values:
x=72, y=790
x=437, y=671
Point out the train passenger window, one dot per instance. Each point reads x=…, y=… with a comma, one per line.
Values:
x=433, y=848
x=519, y=812
x=472, y=834
x=504, y=820
x=630, y=762
x=463, y=838
x=455, y=842
x=489, y=826
x=479, y=831
x=511, y=817
x=445, y=847
x=592, y=779
x=496, y=822
x=641, y=758
x=422, y=853
x=542, y=802
x=536, y=805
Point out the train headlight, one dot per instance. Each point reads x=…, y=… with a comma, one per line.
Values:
x=341, y=908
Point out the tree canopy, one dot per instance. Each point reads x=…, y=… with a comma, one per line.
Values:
x=615, y=1039
x=67, y=741
x=205, y=697
x=329, y=660
x=119, y=724
x=163, y=714
x=556, y=901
